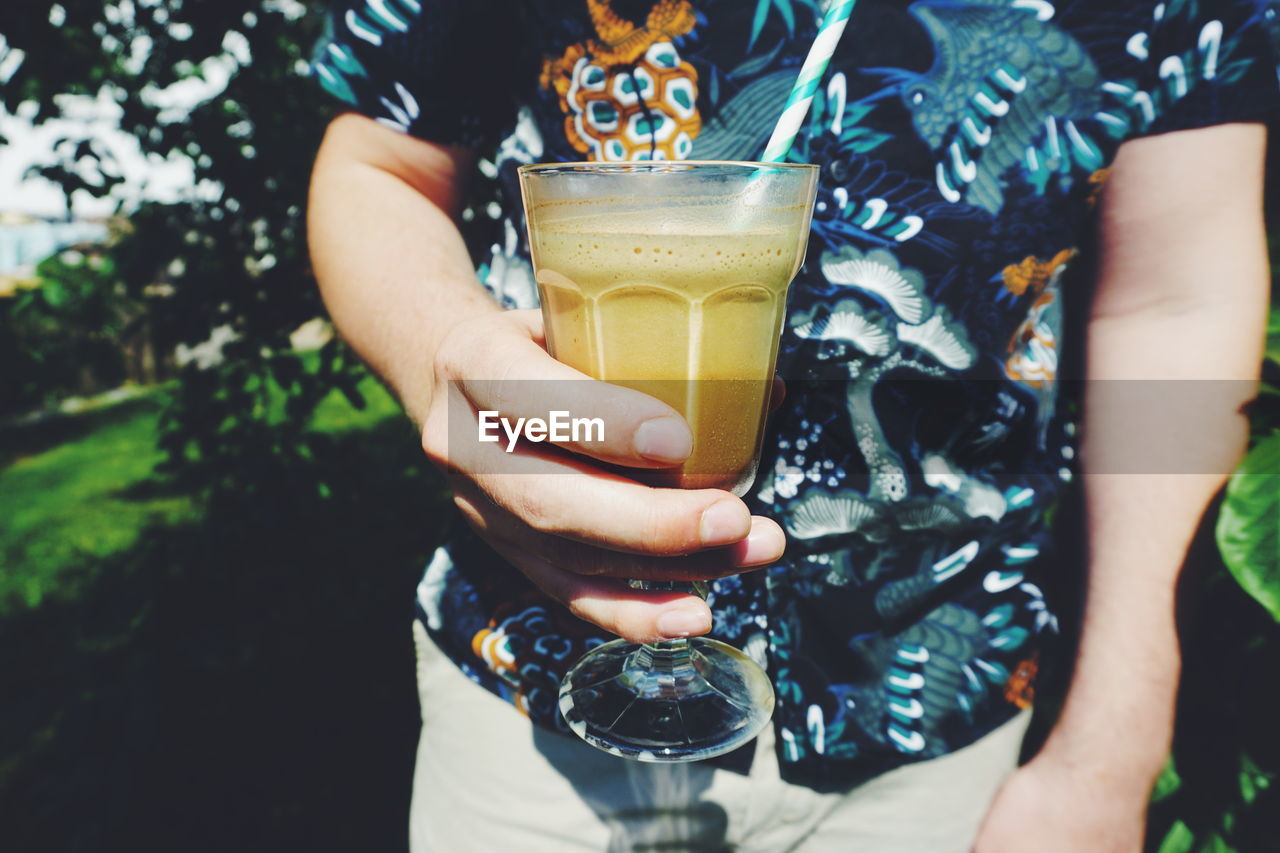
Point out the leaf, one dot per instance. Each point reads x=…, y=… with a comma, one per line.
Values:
x=1273, y=335
x=1215, y=844
x=868, y=142
x=287, y=370
x=1248, y=528
x=1253, y=780
x=1232, y=72
x=1264, y=412
x=51, y=294
x=784, y=7
x=855, y=112
x=32, y=592
x=757, y=23
x=1168, y=783
x=353, y=395
x=756, y=64
x=1178, y=839
x=1248, y=790
x=1175, y=8
x=844, y=749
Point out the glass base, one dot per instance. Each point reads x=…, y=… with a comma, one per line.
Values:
x=681, y=700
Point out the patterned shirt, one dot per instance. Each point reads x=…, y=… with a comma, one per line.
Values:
x=924, y=442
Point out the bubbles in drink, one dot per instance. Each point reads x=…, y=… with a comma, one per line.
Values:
x=691, y=318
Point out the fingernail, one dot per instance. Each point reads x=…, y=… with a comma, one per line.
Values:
x=684, y=622
x=723, y=523
x=664, y=439
x=763, y=545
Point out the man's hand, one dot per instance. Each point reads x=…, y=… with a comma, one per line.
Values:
x=1049, y=808
x=575, y=529
x=399, y=284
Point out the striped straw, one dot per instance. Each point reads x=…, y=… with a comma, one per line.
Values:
x=815, y=65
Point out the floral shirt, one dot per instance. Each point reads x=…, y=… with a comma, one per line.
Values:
x=924, y=443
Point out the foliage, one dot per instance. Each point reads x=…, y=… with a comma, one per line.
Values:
x=80, y=501
x=66, y=335
x=1220, y=792
x=1248, y=527
x=764, y=8
x=1249, y=524
x=239, y=681
x=1273, y=337
x=82, y=489
x=232, y=255
x=226, y=647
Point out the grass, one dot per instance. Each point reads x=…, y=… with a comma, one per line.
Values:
x=210, y=681
x=83, y=490
x=71, y=504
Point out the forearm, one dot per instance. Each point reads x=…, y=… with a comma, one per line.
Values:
x=1157, y=447
x=1173, y=353
x=391, y=265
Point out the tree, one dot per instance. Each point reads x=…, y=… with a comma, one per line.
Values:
x=232, y=253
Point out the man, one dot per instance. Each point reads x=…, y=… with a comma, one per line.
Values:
x=968, y=147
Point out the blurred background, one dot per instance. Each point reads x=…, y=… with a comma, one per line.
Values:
x=212, y=518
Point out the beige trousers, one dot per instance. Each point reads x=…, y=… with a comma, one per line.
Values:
x=487, y=782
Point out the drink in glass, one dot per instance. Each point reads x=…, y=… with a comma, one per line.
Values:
x=671, y=279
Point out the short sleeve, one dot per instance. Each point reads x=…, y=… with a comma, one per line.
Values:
x=1208, y=62
x=446, y=71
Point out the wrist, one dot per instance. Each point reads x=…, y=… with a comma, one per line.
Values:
x=421, y=380
x=1124, y=773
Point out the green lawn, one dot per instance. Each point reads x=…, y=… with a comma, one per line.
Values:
x=66, y=506
x=73, y=501
x=249, y=662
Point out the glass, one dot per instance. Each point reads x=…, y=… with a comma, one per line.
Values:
x=671, y=278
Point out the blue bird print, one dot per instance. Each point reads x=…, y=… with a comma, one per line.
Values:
x=1004, y=82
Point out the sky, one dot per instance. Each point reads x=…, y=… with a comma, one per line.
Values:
x=146, y=178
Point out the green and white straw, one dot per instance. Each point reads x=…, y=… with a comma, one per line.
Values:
x=815, y=65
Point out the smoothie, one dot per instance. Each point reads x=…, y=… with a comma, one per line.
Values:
x=687, y=312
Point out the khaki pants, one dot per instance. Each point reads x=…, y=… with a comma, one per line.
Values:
x=487, y=781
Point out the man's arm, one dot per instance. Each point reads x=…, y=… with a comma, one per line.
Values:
x=392, y=267
x=1173, y=352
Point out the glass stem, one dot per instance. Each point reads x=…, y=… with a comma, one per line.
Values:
x=698, y=588
x=663, y=668
x=660, y=670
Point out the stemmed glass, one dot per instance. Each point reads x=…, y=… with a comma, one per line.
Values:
x=671, y=278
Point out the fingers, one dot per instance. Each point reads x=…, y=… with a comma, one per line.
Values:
x=576, y=530
x=590, y=581
x=557, y=493
x=763, y=545
x=639, y=616
x=513, y=377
